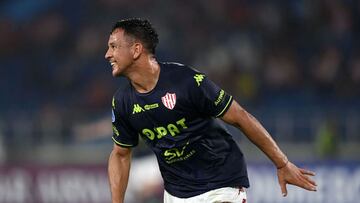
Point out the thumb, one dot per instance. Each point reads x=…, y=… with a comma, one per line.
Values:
x=283, y=188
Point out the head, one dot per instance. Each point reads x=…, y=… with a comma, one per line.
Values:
x=130, y=40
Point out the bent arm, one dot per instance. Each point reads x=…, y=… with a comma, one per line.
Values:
x=240, y=118
x=287, y=172
x=118, y=171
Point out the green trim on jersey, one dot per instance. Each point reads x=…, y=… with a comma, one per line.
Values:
x=113, y=102
x=226, y=106
x=121, y=144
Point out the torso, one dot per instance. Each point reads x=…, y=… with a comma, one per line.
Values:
x=194, y=150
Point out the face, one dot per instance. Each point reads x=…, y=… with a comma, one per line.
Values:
x=119, y=53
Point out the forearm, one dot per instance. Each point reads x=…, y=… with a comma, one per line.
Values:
x=287, y=173
x=257, y=134
x=118, y=169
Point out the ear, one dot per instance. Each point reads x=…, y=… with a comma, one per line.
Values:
x=137, y=50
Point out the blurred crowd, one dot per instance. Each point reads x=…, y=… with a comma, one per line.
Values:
x=297, y=56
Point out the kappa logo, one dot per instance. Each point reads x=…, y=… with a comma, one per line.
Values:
x=137, y=109
x=199, y=78
x=169, y=100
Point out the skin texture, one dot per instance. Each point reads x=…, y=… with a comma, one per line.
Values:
x=120, y=53
x=118, y=170
x=129, y=58
x=287, y=172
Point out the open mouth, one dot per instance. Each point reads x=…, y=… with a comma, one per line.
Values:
x=112, y=64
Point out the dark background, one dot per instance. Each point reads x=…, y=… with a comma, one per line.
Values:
x=294, y=64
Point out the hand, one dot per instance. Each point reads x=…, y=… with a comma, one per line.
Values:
x=290, y=174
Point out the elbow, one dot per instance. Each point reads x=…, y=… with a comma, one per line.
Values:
x=120, y=152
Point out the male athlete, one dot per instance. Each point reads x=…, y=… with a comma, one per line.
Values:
x=175, y=108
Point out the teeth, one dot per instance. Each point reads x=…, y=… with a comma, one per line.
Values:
x=112, y=63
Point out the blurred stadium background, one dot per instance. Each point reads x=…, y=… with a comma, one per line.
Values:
x=294, y=64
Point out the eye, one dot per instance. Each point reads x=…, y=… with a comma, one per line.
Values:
x=112, y=46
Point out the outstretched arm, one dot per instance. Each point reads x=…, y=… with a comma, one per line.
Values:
x=287, y=172
x=118, y=169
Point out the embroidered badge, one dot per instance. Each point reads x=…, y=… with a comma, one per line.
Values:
x=169, y=100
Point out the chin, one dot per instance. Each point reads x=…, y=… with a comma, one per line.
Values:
x=116, y=74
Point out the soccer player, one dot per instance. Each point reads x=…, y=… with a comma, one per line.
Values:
x=175, y=109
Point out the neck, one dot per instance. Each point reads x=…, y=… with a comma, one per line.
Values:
x=145, y=74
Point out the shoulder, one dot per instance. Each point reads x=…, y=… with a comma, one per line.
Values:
x=121, y=96
x=122, y=91
x=175, y=67
x=179, y=72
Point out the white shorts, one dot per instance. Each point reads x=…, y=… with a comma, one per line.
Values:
x=221, y=195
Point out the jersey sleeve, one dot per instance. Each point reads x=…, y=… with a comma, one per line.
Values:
x=208, y=98
x=123, y=134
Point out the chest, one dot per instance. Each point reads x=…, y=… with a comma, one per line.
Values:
x=161, y=113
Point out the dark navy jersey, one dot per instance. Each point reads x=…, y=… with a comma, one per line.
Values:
x=177, y=120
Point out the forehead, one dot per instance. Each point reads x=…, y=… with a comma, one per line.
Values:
x=117, y=36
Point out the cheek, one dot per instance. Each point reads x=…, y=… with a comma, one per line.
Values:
x=121, y=55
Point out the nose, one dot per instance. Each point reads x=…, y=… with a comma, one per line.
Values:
x=107, y=54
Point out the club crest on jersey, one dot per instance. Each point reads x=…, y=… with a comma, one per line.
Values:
x=169, y=100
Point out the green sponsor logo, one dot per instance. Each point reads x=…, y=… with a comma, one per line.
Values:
x=171, y=129
x=199, y=78
x=178, y=154
x=159, y=132
x=115, y=130
x=173, y=155
x=151, y=106
x=220, y=97
x=138, y=109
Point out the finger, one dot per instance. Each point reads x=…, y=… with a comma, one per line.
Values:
x=310, y=180
x=283, y=188
x=304, y=183
x=306, y=172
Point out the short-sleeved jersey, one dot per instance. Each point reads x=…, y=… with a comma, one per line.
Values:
x=177, y=120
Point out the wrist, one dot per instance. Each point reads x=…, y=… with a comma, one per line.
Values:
x=283, y=165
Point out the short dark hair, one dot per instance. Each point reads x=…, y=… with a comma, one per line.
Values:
x=141, y=30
